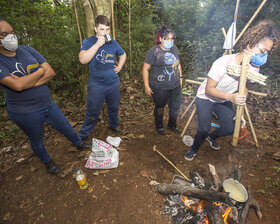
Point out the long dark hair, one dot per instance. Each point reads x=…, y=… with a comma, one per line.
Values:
x=163, y=33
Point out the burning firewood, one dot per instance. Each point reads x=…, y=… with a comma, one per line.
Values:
x=193, y=192
x=216, y=178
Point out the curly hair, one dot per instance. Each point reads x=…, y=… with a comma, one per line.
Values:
x=265, y=29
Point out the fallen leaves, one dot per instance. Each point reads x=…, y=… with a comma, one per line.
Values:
x=19, y=177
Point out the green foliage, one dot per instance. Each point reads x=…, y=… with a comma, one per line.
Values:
x=52, y=31
x=143, y=30
x=12, y=131
x=198, y=27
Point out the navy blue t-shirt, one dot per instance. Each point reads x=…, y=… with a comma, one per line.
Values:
x=101, y=67
x=26, y=61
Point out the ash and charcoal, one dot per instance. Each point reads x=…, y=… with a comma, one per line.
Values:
x=187, y=210
x=178, y=212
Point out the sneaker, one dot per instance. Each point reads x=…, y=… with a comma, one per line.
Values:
x=51, y=167
x=190, y=155
x=84, y=146
x=161, y=131
x=175, y=130
x=213, y=143
x=118, y=131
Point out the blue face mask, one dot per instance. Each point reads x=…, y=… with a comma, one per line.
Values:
x=168, y=44
x=259, y=59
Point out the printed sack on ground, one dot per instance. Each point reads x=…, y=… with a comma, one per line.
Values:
x=103, y=156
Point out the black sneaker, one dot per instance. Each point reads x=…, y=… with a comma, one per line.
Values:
x=118, y=131
x=213, y=143
x=84, y=146
x=175, y=130
x=190, y=155
x=161, y=131
x=51, y=167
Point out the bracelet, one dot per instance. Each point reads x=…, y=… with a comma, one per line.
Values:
x=181, y=77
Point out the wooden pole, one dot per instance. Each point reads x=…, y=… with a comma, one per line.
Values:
x=77, y=20
x=241, y=91
x=250, y=21
x=129, y=39
x=203, y=78
x=189, y=121
x=155, y=149
x=189, y=106
x=251, y=126
x=113, y=19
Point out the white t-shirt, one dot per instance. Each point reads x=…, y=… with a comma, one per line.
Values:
x=226, y=83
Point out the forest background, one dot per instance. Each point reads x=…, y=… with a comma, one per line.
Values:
x=50, y=27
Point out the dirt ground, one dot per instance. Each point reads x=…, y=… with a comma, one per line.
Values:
x=123, y=195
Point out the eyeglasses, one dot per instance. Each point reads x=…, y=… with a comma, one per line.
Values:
x=4, y=34
x=263, y=52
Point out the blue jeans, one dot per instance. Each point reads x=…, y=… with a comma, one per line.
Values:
x=225, y=114
x=33, y=126
x=161, y=98
x=95, y=98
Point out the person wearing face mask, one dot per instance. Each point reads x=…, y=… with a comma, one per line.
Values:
x=218, y=92
x=165, y=79
x=24, y=73
x=104, y=84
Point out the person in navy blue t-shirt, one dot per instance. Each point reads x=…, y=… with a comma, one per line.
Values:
x=99, y=52
x=24, y=73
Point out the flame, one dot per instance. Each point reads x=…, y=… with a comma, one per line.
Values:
x=225, y=215
x=216, y=203
x=206, y=220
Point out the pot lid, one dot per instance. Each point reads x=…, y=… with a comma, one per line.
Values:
x=236, y=190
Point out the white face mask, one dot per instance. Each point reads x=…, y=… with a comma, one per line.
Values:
x=10, y=42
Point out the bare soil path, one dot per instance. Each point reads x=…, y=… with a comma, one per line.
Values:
x=123, y=195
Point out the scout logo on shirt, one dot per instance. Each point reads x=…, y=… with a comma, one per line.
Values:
x=103, y=58
x=20, y=71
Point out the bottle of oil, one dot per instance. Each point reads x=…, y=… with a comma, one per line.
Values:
x=81, y=179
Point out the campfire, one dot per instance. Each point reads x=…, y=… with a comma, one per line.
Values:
x=199, y=202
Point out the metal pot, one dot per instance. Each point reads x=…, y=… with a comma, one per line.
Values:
x=236, y=190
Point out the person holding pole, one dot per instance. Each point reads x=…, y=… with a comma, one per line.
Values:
x=165, y=80
x=104, y=84
x=24, y=74
x=218, y=91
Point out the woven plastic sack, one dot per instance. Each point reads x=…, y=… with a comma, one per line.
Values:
x=103, y=156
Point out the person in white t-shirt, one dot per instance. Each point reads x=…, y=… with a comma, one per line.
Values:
x=218, y=91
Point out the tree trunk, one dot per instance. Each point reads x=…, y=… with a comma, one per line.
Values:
x=92, y=9
x=89, y=17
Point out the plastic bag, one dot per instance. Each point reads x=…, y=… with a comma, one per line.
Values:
x=188, y=140
x=103, y=156
x=114, y=141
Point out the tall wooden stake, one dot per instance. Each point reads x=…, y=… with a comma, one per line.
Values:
x=129, y=38
x=113, y=19
x=250, y=21
x=188, y=122
x=77, y=20
x=251, y=126
x=241, y=91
